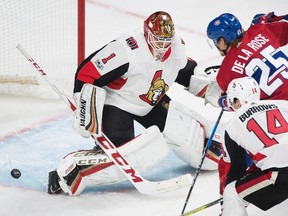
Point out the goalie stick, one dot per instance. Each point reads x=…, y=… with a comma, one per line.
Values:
x=202, y=159
x=203, y=207
x=141, y=184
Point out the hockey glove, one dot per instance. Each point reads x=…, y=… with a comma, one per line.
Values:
x=223, y=103
x=89, y=110
x=200, y=81
x=213, y=94
x=212, y=70
x=267, y=18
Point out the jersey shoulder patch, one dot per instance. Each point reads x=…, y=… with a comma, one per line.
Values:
x=132, y=43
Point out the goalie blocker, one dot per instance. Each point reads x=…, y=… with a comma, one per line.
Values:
x=90, y=102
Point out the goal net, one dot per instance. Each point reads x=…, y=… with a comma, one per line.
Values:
x=52, y=31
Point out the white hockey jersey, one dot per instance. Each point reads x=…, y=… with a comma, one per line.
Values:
x=144, y=80
x=262, y=130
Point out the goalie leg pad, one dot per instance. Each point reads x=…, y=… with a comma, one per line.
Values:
x=85, y=168
x=185, y=133
x=90, y=102
x=74, y=168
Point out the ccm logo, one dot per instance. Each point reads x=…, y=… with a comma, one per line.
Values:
x=119, y=159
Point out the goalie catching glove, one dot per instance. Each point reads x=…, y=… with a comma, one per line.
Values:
x=199, y=82
x=206, y=86
x=90, y=102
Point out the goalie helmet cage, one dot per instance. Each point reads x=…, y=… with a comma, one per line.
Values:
x=54, y=31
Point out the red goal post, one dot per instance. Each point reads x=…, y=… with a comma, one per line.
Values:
x=53, y=31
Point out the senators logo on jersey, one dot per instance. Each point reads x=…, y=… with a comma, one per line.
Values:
x=156, y=91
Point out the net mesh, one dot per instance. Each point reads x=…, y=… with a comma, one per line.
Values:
x=48, y=31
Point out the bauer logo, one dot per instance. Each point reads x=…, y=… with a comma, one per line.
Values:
x=82, y=112
x=99, y=65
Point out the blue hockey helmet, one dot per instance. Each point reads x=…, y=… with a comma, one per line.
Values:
x=226, y=26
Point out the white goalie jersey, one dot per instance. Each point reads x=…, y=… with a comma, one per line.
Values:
x=129, y=59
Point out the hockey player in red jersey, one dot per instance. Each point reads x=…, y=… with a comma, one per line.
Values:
x=255, y=52
x=126, y=81
x=259, y=128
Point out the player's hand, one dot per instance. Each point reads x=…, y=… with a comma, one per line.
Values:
x=224, y=104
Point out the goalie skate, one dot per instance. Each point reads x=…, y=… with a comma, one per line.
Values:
x=53, y=183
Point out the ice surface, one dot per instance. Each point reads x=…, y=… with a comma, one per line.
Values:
x=36, y=133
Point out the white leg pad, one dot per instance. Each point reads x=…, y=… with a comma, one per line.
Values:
x=143, y=152
x=185, y=132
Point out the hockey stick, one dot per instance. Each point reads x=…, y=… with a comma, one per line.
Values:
x=142, y=185
x=202, y=159
x=203, y=207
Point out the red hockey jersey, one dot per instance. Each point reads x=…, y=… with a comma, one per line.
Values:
x=259, y=55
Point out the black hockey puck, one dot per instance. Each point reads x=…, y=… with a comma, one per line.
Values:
x=15, y=173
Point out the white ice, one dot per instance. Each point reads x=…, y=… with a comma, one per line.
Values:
x=36, y=133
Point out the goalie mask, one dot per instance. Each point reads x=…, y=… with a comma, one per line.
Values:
x=159, y=33
x=245, y=89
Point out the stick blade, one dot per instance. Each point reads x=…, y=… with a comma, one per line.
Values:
x=149, y=187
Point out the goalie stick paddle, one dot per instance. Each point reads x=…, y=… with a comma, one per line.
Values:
x=141, y=184
x=203, y=207
x=202, y=159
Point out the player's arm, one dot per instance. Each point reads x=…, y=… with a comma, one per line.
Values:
x=200, y=83
x=237, y=157
x=277, y=24
x=102, y=67
x=232, y=165
x=280, y=29
x=268, y=18
x=185, y=74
